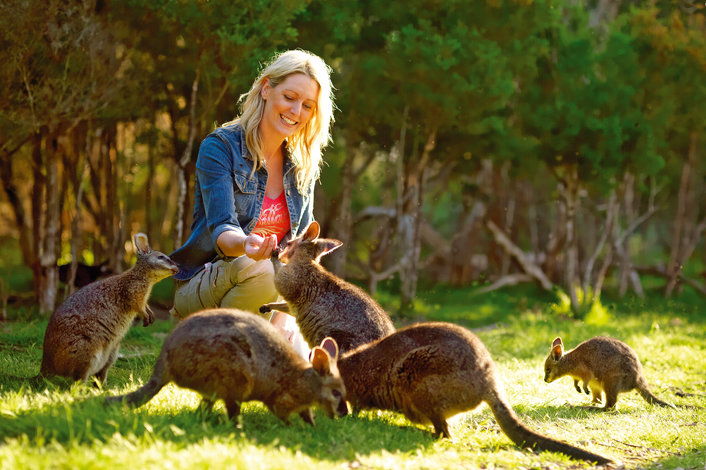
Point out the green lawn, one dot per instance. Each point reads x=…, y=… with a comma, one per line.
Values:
x=49, y=427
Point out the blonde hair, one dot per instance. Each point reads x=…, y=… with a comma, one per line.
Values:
x=305, y=146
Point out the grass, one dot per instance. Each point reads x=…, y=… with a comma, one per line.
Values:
x=47, y=426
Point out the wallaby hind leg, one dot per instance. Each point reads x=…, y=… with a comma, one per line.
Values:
x=441, y=427
x=596, y=394
x=611, y=396
x=307, y=415
x=233, y=408
x=102, y=375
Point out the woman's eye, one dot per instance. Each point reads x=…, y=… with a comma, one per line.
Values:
x=308, y=107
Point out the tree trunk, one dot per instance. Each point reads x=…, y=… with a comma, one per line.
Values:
x=49, y=279
x=410, y=204
x=589, y=281
x=13, y=197
x=81, y=175
x=148, y=189
x=38, y=189
x=682, y=225
x=570, y=192
x=509, y=203
x=182, y=171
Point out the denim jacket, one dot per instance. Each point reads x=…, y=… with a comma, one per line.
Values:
x=227, y=197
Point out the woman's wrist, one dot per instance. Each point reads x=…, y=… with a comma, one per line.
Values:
x=232, y=243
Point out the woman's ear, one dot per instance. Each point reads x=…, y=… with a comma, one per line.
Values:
x=265, y=90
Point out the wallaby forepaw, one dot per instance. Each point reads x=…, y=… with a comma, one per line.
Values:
x=265, y=309
x=148, y=316
x=308, y=416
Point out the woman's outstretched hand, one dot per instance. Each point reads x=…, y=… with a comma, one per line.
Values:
x=257, y=247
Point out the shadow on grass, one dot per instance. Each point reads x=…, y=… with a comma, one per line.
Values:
x=88, y=420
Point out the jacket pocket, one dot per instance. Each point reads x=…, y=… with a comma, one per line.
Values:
x=244, y=198
x=244, y=184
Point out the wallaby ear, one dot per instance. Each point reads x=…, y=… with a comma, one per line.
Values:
x=557, y=349
x=141, y=244
x=330, y=346
x=321, y=361
x=312, y=231
x=327, y=245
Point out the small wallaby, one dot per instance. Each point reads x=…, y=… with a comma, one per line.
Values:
x=603, y=365
x=237, y=356
x=324, y=304
x=432, y=371
x=84, y=333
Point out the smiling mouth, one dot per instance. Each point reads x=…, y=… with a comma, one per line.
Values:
x=287, y=120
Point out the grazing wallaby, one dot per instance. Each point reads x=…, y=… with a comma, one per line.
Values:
x=432, y=371
x=84, y=333
x=603, y=365
x=324, y=304
x=237, y=356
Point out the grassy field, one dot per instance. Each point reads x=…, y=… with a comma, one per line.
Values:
x=45, y=426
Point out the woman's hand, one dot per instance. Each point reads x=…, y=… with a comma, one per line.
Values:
x=258, y=248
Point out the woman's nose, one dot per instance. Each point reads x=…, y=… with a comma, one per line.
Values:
x=296, y=107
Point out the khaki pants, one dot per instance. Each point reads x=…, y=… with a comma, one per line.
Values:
x=241, y=283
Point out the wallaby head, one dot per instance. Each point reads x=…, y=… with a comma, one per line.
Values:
x=332, y=396
x=550, y=364
x=337, y=387
x=156, y=264
x=308, y=246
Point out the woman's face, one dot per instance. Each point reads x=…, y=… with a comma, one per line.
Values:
x=288, y=106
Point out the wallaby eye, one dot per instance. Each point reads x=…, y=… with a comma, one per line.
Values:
x=336, y=393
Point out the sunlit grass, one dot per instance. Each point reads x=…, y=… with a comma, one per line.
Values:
x=48, y=426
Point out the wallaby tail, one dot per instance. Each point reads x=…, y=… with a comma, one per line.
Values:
x=649, y=397
x=524, y=437
x=145, y=393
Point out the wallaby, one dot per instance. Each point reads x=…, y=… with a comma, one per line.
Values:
x=603, y=365
x=432, y=371
x=236, y=356
x=324, y=304
x=84, y=333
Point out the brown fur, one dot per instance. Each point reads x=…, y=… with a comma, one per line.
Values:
x=324, y=304
x=236, y=356
x=432, y=371
x=604, y=365
x=84, y=333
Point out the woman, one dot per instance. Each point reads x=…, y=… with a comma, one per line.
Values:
x=255, y=182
